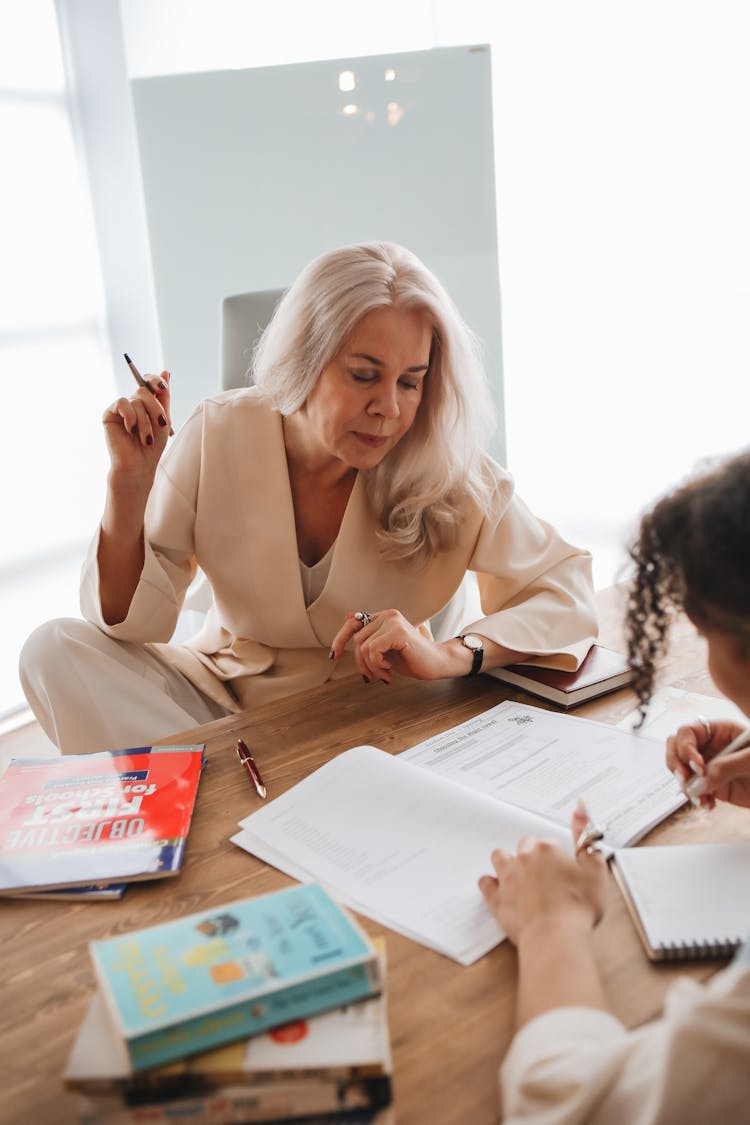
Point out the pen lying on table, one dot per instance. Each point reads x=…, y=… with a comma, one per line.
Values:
x=141, y=381
x=695, y=787
x=248, y=762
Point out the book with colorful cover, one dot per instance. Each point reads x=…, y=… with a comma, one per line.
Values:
x=335, y=1062
x=85, y=820
x=601, y=671
x=223, y=974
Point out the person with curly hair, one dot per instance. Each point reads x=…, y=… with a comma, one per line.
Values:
x=571, y=1060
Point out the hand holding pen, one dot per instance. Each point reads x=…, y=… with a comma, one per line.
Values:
x=137, y=428
x=711, y=761
x=161, y=416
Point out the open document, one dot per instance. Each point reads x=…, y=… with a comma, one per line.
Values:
x=404, y=838
x=401, y=846
x=544, y=761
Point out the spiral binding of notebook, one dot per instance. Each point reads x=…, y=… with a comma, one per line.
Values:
x=698, y=951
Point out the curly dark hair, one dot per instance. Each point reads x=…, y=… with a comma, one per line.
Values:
x=692, y=554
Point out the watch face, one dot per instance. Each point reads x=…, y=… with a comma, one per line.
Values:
x=471, y=642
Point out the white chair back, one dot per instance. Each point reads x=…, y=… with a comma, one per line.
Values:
x=243, y=318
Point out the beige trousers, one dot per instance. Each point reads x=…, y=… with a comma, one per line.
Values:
x=91, y=692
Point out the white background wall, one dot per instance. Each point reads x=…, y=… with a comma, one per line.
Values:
x=624, y=245
x=623, y=222
x=251, y=173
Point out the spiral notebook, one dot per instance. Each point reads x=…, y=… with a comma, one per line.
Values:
x=688, y=901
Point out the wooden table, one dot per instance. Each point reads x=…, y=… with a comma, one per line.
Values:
x=449, y=1025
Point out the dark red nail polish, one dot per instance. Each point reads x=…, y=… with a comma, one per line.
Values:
x=134, y=429
x=366, y=680
x=162, y=385
x=149, y=440
x=331, y=655
x=162, y=420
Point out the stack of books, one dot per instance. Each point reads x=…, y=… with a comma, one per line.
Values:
x=270, y=1009
x=86, y=825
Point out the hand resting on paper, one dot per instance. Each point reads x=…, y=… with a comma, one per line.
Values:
x=548, y=903
x=727, y=779
x=543, y=886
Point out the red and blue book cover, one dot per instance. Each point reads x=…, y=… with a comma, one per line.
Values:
x=86, y=820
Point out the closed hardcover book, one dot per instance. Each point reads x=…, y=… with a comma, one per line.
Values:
x=338, y=1061
x=88, y=820
x=220, y=975
x=602, y=670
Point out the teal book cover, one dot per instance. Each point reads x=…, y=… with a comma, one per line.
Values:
x=209, y=978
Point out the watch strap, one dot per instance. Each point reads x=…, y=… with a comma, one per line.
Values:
x=477, y=656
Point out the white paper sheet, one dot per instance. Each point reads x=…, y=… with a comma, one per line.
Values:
x=544, y=761
x=670, y=708
x=397, y=843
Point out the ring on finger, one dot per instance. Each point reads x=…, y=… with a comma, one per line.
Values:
x=588, y=838
x=363, y=616
x=706, y=725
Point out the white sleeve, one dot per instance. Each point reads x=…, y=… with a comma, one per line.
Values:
x=536, y=589
x=575, y=1065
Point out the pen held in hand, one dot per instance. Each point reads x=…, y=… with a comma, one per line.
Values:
x=695, y=787
x=248, y=763
x=590, y=834
x=141, y=381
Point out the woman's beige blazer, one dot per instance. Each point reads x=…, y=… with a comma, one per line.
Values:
x=222, y=502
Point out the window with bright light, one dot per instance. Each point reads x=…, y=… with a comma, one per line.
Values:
x=56, y=373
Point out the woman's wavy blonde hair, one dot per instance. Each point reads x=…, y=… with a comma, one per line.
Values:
x=420, y=490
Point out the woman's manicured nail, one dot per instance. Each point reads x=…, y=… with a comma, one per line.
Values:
x=149, y=439
x=162, y=420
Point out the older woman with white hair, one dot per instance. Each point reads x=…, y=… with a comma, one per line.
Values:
x=335, y=507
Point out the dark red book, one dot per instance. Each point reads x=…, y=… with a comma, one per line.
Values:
x=603, y=670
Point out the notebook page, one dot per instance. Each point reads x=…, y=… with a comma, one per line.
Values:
x=690, y=893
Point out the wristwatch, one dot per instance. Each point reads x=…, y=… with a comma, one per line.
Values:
x=475, y=646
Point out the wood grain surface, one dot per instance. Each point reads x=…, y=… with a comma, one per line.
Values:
x=449, y=1024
